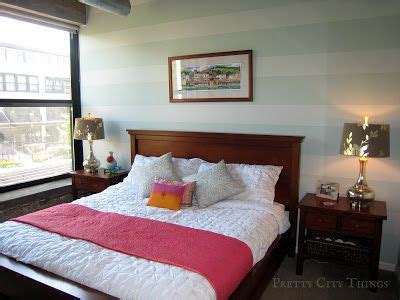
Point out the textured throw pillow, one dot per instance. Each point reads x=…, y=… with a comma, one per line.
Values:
x=189, y=187
x=166, y=196
x=183, y=167
x=258, y=180
x=214, y=184
x=145, y=175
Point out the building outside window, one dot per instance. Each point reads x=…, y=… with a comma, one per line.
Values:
x=35, y=102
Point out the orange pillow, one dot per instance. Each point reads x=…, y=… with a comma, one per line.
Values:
x=166, y=196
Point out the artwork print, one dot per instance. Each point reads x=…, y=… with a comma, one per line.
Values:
x=212, y=77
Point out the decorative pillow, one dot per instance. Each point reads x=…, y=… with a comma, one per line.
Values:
x=144, y=175
x=187, y=197
x=166, y=196
x=258, y=180
x=183, y=167
x=214, y=184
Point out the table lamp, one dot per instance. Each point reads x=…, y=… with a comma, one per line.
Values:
x=89, y=128
x=364, y=141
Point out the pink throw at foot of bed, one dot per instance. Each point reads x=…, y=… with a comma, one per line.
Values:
x=222, y=260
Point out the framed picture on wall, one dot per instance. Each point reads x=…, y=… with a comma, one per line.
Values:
x=211, y=77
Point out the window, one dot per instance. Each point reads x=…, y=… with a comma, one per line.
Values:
x=33, y=84
x=36, y=102
x=58, y=85
x=10, y=82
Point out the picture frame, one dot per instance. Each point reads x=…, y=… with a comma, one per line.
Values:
x=328, y=190
x=211, y=77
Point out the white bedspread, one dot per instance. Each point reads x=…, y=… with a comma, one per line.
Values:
x=129, y=277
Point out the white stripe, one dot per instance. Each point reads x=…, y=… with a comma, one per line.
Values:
x=310, y=115
x=341, y=63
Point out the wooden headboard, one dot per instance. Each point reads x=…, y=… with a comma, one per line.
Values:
x=233, y=148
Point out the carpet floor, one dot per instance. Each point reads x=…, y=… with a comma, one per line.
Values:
x=328, y=281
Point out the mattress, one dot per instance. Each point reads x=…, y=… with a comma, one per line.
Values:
x=128, y=277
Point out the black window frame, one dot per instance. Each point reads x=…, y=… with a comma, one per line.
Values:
x=74, y=103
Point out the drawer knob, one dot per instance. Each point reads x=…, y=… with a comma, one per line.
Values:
x=319, y=220
x=356, y=225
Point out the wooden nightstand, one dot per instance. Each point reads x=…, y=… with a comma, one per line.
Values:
x=95, y=182
x=322, y=228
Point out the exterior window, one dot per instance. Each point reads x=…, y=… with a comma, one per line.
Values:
x=33, y=84
x=21, y=83
x=10, y=82
x=35, y=102
x=58, y=85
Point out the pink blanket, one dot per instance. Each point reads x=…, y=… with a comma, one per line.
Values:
x=222, y=260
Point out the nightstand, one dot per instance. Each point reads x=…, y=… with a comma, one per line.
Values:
x=340, y=233
x=94, y=182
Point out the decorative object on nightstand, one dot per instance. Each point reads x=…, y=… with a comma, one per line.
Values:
x=94, y=182
x=339, y=233
x=364, y=140
x=89, y=128
x=328, y=190
x=111, y=163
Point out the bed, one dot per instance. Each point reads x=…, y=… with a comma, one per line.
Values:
x=233, y=148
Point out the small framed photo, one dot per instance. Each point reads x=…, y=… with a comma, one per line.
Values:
x=327, y=190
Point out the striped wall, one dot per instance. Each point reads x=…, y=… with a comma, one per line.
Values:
x=317, y=64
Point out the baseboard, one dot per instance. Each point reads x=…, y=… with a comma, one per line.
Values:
x=387, y=266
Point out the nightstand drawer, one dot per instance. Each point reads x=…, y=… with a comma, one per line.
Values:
x=320, y=221
x=90, y=185
x=358, y=225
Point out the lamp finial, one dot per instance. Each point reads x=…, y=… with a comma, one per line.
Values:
x=366, y=117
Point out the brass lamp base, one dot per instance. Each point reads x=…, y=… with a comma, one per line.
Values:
x=364, y=193
x=361, y=191
x=91, y=165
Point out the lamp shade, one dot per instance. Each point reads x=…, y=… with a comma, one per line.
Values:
x=365, y=140
x=89, y=128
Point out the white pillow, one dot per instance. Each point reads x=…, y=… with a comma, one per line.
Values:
x=258, y=180
x=144, y=175
x=183, y=167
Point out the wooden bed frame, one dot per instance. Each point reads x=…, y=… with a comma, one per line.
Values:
x=18, y=280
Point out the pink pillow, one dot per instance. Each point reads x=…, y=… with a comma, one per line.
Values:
x=188, y=189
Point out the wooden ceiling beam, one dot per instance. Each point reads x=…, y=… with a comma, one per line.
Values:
x=68, y=11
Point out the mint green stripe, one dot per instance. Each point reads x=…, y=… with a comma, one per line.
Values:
x=363, y=34
x=320, y=140
x=268, y=90
x=280, y=90
x=311, y=145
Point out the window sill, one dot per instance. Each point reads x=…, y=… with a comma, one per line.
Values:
x=34, y=189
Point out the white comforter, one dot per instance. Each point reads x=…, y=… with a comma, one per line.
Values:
x=129, y=277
